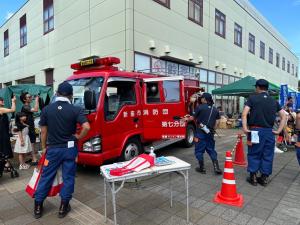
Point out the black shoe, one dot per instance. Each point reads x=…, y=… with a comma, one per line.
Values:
x=217, y=169
x=201, y=168
x=263, y=180
x=38, y=209
x=64, y=209
x=252, y=179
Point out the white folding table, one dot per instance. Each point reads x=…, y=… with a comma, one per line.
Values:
x=179, y=166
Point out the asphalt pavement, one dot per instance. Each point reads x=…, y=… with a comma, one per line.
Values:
x=146, y=202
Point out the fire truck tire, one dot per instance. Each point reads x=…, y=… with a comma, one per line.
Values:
x=132, y=148
x=189, y=138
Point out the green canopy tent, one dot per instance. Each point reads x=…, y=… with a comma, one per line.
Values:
x=243, y=87
x=44, y=92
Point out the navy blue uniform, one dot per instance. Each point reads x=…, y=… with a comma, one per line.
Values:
x=298, y=149
x=207, y=115
x=263, y=109
x=61, y=118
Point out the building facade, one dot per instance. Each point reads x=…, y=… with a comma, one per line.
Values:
x=216, y=41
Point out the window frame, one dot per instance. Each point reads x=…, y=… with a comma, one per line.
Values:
x=23, y=31
x=277, y=60
x=120, y=104
x=47, y=5
x=288, y=66
x=250, y=40
x=283, y=64
x=200, y=4
x=271, y=55
x=6, y=43
x=167, y=4
x=262, y=45
x=218, y=18
x=236, y=33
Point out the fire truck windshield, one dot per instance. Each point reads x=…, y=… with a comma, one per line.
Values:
x=83, y=84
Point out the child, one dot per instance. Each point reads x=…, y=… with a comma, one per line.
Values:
x=23, y=145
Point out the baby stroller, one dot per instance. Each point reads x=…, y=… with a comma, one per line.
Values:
x=282, y=142
x=10, y=168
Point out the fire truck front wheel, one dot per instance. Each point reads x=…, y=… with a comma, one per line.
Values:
x=132, y=148
x=189, y=137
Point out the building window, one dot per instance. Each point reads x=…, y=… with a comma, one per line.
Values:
x=165, y=3
x=296, y=74
x=262, y=50
x=203, y=75
x=251, y=46
x=49, y=77
x=220, y=23
x=48, y=16
x=293, y=69
x=238, y=32
x=288, y=66
x=271, y=55
x=196, y=11
x=283, y=63
x=23, y=31
x=142, y=63
x=277, y=59
x=6, y=44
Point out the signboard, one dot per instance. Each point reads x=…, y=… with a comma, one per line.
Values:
x=298, y=101
x=283, y=94
x=294, y=96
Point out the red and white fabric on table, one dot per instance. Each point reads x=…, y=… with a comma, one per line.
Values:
x=34, y=181
x=137, y=164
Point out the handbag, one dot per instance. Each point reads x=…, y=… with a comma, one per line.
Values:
x=137, y=164
x=34, y=181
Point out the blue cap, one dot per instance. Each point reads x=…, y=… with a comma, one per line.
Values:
x=262, y=83
x=65, y=89
x=207, y=97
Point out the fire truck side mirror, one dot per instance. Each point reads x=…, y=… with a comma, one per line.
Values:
x=90, y=100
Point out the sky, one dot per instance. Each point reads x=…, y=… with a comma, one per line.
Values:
x=284, y=15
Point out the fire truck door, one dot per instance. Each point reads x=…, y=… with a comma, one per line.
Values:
x=163, y=108
x=122, y=113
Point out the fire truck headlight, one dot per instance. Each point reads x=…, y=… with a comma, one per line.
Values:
x=87, y=147
x=96, y=141
x=92, y=145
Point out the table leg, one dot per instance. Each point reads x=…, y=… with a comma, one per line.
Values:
x=114, y=202
x=187, y=196
x=171, y=190
x=105, y=201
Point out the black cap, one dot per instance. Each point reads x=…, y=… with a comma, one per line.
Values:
x=262, y=83
x=65, y=89
x=1, y=99
x=207, y=97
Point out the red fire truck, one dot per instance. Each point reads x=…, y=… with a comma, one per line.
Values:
x=129, y=111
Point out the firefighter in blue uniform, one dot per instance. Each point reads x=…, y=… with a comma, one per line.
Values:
x=58, y=127
x=206, y=116
x=258, y=119
x=298, y=135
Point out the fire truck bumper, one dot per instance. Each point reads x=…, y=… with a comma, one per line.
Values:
x=91, y=159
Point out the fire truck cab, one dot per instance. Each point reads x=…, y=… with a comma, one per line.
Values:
x=128, y=111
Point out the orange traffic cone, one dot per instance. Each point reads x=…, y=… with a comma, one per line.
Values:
x=239, y=158
x=228, y=194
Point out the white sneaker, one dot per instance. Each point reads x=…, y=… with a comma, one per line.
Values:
x=24, y=166
x=277, y=150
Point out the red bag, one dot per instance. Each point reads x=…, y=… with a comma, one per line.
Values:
x=33, y=183
x=137, y=164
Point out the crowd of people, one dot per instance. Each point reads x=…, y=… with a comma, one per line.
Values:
x=25, y=128
x=258, y=120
